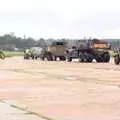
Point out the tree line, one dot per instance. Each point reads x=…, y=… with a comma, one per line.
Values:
x=12, y=42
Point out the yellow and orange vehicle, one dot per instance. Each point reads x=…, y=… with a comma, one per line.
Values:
x=87, y=50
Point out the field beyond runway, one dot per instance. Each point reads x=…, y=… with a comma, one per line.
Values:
x=62, y=90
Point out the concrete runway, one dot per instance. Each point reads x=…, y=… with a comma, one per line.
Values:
x=62, y=90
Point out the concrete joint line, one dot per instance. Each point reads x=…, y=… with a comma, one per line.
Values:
x=25, y=110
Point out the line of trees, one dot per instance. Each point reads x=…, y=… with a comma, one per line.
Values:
x=12, y=42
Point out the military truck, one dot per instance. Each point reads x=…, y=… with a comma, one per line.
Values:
x=55, y=50
x=116, y=56
x=87, y=50
x=34, y=53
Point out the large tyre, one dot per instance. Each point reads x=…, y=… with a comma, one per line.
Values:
x=26, y=56
x=117, y=60
x=69, y=59
x=90, y=57
x=33, y=57
x=2, y=57
x=49, y=57
x=36, y=58
x=102, y=57
x=86, y=57
x=106, y=57
x=99, y=58
x=62, y=58
x=81, y=57
x=43, y=57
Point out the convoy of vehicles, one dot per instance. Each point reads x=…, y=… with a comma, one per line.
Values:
x=84, y=51
x=51, y=52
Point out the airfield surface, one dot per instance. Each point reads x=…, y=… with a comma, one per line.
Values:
x=61, y=90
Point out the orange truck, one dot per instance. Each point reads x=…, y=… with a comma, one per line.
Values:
x=87, y=50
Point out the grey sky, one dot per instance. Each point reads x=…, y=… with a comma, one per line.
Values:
x=61, y=18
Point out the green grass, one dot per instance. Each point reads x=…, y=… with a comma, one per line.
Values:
x=13, y=53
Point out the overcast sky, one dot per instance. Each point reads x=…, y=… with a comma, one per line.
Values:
x=61, y=18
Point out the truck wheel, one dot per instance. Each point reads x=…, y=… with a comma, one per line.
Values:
x=62, y=58
x=85, y=57
x=117, y=60
x=49, y=57
x=99, y=58
x=26, y=57
x=106, y=57
x=32, y=57
x=90, y=58
x=69, y=59
x=36, y=58
x=2, y=57
x=81, y=57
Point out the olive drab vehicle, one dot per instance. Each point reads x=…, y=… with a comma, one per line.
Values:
x=117, y=56
x=2, y=55
x=27, y=54
x=55, y=50
x=87, y=50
